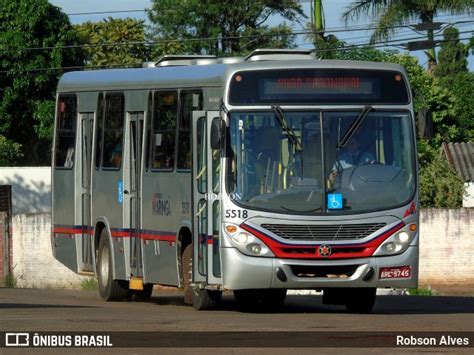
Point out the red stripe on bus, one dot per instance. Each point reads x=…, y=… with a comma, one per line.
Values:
x=310, y=251
x=121, y=233
x=118, y=233
x=160, y=237
x=63, y=230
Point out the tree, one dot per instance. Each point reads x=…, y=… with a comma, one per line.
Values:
x=127, y=35
x=32, y=34
x=461, y=86
x=222, y=27
x=452, y=57
x=326, y=46
x=440, y=185
x=390, y=13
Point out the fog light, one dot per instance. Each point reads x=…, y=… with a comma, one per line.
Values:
x=255, y=248
x=242, y=238
x=390, y=247
x=403, y=237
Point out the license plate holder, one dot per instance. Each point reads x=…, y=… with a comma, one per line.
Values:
x=395, y=272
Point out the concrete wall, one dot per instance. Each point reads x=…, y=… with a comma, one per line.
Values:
x=31, y=188
x=468, y=198
x=32, y=259
x=447, y=247
x=446, y=253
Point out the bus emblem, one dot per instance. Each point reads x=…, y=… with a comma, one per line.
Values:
x=325, y=250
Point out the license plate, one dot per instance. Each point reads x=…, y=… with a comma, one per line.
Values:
x=399, y=272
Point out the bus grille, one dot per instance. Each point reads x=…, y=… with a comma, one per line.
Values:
x=309, y=232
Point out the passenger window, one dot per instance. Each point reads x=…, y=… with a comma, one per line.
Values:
x=190, y=101
x=100, y=124
x=113, y=131
x=66, y=132
x=164, y=129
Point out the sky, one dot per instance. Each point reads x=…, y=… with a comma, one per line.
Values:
x=332, y=10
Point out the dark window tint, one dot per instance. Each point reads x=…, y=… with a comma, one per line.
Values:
x=113, y=131
x=100, y=124
x=164, y=129
x=190, y=101
x=66, y=131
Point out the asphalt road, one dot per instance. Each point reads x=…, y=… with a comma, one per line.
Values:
x=66, y=310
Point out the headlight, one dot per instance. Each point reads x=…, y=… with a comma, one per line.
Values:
x=395, y=244
x=246, y=242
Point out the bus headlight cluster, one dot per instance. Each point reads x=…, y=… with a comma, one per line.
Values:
x=246, y=242
x=396, y=244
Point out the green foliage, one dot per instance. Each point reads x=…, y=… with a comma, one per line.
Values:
x=366, y=54
x=433, y=97
x=228, y=27
x=390, y=13
x=452, y=56
x=125, y=32
x=28, y=79
x=440, y=185
x=10, y=281
x=10, y=152
x=90, y=284
x=421, y=292
x=461, y=86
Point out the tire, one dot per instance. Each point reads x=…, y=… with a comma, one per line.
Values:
x=141, y=296
x=201, y=299
x=109, y=289
x=206, y=299
x=361, y=300
x=262, y=298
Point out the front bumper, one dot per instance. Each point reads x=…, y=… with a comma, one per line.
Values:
x=246, y=272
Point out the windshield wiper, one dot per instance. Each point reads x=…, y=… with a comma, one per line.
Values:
x=286, y=128
x=354, y=127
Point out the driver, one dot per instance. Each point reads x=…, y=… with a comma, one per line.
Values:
x=349, y=156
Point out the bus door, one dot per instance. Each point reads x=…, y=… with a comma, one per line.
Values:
x=132, y=189
x=87, y=125
x=206, y=202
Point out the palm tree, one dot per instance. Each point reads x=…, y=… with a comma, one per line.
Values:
x=389, y=13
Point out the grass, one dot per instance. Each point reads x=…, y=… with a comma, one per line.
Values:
x=89, y=284
x=11, y=281
x=421, y=292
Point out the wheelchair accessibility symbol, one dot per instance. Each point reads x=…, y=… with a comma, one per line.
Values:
x=335, y=202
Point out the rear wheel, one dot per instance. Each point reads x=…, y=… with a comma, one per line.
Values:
x=141, y=296
x=200, y=298
x=109, y=289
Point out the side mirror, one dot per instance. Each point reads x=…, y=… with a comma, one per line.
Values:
x=216, y=133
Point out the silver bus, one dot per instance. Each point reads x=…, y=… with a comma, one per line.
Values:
x=260, y=174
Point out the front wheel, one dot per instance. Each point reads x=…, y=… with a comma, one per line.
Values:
x=206, y=299
x=109, y=289
x=361, y=300
x=262, y=297
x=200, y=298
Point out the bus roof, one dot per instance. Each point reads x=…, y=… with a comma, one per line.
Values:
x=194, y=75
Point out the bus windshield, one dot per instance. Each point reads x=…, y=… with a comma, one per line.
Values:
x=296, y=169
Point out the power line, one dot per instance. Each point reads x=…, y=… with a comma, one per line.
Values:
x=125, y=66
x=203, y=39
x=106, y=12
